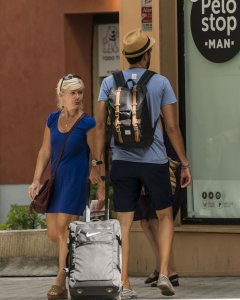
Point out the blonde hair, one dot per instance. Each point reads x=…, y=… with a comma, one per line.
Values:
x=64, y=84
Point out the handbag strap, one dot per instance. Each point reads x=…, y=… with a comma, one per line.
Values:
x=64, y=143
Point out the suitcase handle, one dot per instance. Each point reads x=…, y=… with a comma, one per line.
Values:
x=106, y=213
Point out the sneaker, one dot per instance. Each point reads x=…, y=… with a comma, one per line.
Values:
x=128, y=294
x=174, y=279
x=165, y=286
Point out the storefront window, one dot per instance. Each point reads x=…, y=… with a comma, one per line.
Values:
x=212, y=103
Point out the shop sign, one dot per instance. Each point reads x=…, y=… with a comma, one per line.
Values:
x=146, y=11
x=215, y=26
x=108, y=49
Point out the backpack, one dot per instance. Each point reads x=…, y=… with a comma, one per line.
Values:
x=130, y=118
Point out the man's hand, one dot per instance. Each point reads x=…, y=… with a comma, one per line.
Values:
x=95, y=176
x=101, y=195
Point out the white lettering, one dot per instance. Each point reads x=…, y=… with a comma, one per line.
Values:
x=205, y=4
x=233, y=2
x=219, y=44
x=205, y=23
x=231, y=24
x=219, y=6
x=220, y=20
x=147, y=9
x=211, y=19
x=227, y=43
x=223, y=10
x=216, y=4
x=211, y=44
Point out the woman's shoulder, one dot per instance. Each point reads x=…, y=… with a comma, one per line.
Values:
x=88, y=121
x=52, y=118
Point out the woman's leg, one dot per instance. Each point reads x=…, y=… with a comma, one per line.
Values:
x=63, y=222
x=52, y=229
x=57, y=226
x=172, y=267
x=150, y=229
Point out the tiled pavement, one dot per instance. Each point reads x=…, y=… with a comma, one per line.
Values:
x=35, y=288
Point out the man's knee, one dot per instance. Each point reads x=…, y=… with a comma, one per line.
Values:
x=125, y=219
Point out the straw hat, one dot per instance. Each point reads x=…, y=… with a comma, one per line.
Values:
x=136, y=42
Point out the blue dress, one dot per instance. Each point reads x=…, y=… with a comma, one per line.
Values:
x=70, y=184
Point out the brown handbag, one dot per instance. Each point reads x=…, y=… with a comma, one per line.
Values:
x=41, y=200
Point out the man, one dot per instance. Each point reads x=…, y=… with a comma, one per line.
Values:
x=134, y=167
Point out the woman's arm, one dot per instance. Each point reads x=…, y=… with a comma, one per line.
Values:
x=43, y=159
x=169, y=112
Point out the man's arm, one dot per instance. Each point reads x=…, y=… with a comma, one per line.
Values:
x=99, y=143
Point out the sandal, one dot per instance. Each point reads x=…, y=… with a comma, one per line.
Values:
x=152, y=277
x=173, y=279
x=57, y=292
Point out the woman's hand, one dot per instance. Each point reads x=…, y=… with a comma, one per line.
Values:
x=34, y=189
x=186, y=177
x=100, y=195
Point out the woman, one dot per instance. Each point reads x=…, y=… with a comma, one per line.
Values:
x=146, y=214
x=68, y=200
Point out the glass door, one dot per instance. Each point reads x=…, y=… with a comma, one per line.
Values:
x=212, y=103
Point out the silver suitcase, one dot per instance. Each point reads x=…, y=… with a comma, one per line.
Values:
x=94, y=259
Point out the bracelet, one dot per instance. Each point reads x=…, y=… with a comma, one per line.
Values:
x=185, y=166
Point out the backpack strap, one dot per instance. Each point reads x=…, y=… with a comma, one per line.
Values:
x=146, y=76
x=117, y=122
x=141, y=82
x=119, y=78
x=134, y=115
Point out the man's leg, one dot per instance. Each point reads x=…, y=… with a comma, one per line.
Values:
x=125, y=219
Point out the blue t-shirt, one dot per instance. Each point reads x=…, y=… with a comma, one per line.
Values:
x=159, y=93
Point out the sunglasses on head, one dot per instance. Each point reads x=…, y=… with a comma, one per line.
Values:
x=68, y=77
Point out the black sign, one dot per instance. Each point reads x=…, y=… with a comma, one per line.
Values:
x=215, y=26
